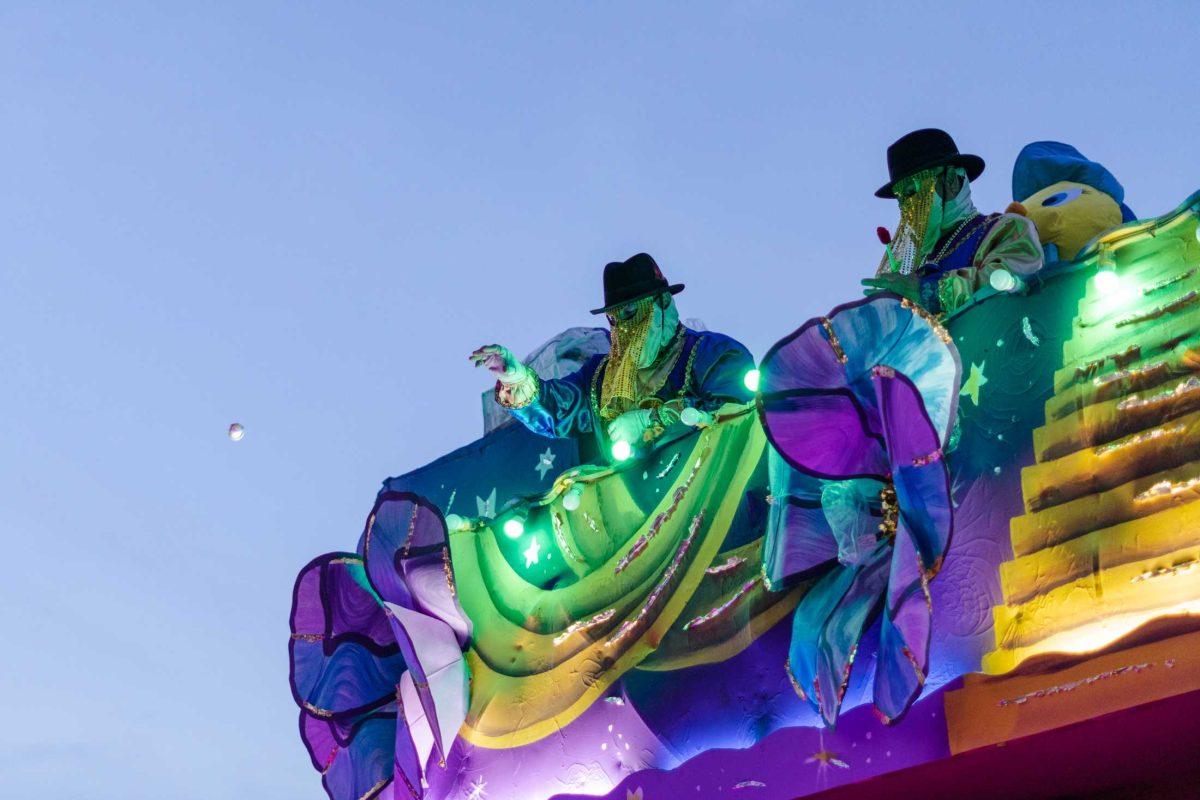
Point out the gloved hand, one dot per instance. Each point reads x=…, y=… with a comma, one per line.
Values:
x=630, y=426
x=903, y=285
x=500, y=361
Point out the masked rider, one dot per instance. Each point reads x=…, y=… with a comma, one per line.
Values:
x=655, y=369
x=944, y=250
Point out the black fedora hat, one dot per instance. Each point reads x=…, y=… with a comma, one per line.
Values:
x=925, y=149
x=632, y=279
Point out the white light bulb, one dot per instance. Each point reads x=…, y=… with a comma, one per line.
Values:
x=1107, y=281
x=236, y=431
x=455, y=522
x=514, y=527
x=1002, y=280
x=573, y=497
x=751, y=380
x=621, y=451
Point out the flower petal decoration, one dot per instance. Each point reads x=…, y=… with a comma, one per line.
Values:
x=867, y=393
x=407, y=561
x=377, y=636
x=345, y=664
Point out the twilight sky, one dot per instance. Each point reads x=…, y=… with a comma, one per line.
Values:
x=303, y=216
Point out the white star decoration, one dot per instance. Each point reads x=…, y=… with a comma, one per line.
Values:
x=477, y=790
x=531, y=552
x=974, y=382
x=545, y=463
x=486, y=508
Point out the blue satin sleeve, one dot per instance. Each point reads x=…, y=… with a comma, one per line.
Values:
x=562, y=407
x=719, y=372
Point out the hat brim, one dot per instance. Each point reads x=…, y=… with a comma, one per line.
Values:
x=675, y=288
x=972, y=164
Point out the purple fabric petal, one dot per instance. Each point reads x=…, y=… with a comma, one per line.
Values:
x=851, y=396
x=430, y=648
x=362, y=770
x=798, y=539
x=844, y=627
x=903, y=661
x=826, y=434
x=345, y=664
x=919, y=472
x=402, y=525
x=817, y=398
x=922, y=534
x=344, y=658
x=404, y=547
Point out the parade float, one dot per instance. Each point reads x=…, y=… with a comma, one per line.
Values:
x=934, y=552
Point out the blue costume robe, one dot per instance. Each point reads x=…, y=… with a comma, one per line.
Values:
x=710, y=371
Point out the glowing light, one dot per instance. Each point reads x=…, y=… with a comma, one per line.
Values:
x=1002, y=280
x=1088, y=637
x=455, y=522
x=622, y=451
x=1107, y=281
x=694, y=417
x=751, y=380
x=573, y=497
x=1167, y=489
x=531, y=552
x=514, y=527
x=236, y=431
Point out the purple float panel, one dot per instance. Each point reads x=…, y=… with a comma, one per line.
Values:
x=794, y=762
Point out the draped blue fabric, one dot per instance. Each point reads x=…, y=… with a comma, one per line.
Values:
x=718, y=366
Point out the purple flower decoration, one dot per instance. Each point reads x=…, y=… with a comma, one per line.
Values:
x=866, y=394
x=378, y=637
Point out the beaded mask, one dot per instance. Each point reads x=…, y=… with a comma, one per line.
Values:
x=630, y=329
x=917, y=231
x=640, y=332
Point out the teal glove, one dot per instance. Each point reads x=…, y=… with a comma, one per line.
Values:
x=904, y=285
x=631, y=426
x=501, y=362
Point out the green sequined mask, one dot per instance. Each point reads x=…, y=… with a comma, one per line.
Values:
x=918, y=196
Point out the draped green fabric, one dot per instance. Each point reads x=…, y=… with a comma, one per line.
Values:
x=581, y=596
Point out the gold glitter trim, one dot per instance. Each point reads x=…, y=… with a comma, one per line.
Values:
x=412, y=526
x=833, y=340
x=787, y=667
x=367, y=538
x=921, y=461
x=449, y=571
x=323, y=713
x=921, y=312
x=891, y=514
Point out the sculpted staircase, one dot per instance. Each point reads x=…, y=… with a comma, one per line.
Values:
x=1110, y=537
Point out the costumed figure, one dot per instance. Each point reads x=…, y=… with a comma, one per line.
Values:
x=944, y=250
x=656, y=369
x=1070, y=199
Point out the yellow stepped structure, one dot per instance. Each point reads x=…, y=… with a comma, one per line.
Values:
x=1110, y=535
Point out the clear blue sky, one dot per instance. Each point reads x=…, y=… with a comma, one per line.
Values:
x=303, y=216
